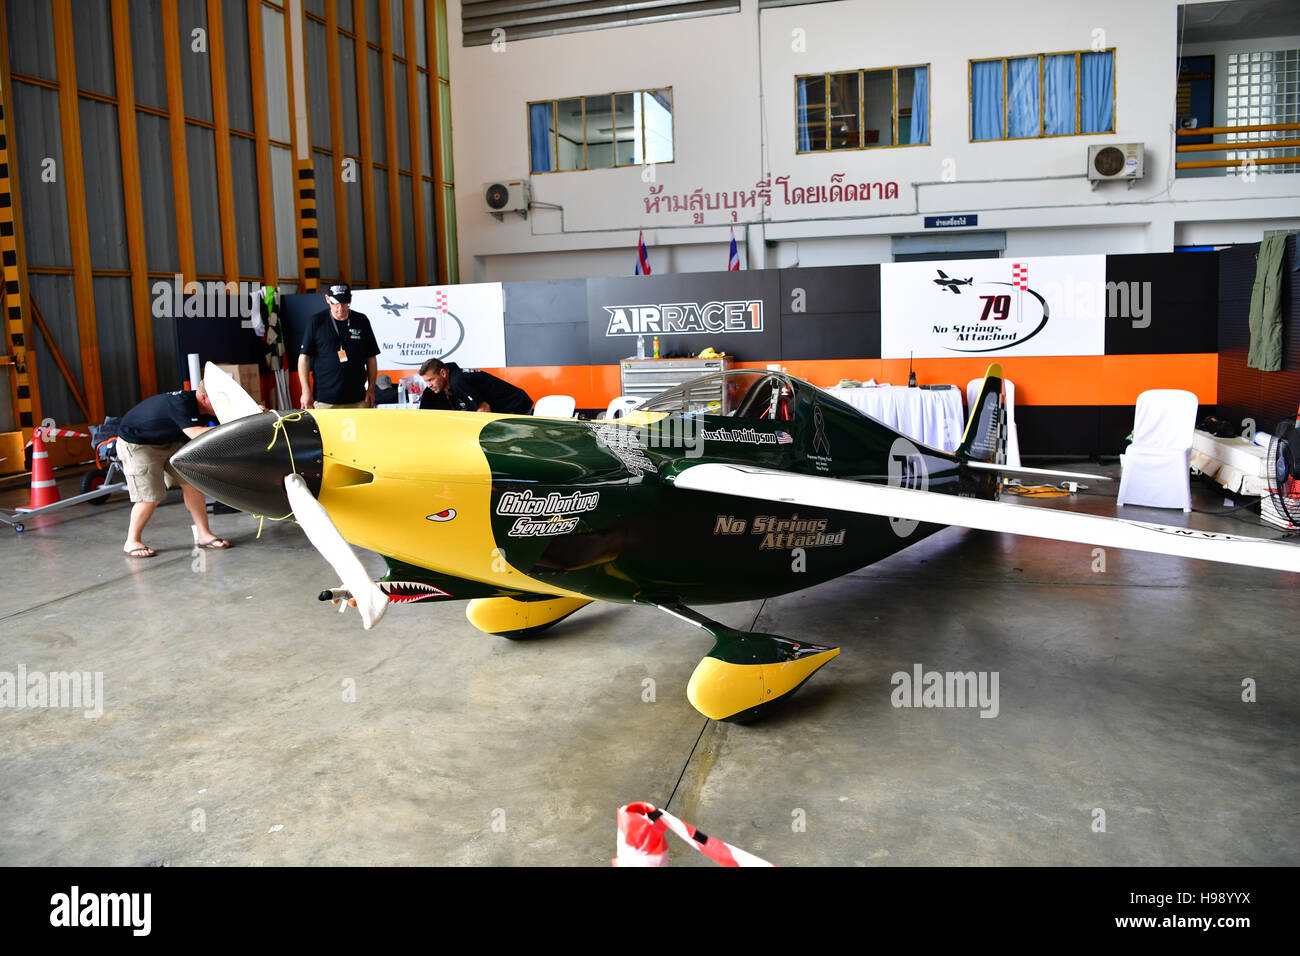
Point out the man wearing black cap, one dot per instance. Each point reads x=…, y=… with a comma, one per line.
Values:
x=340, y=347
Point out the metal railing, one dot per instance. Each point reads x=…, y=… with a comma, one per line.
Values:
x=1259, y=144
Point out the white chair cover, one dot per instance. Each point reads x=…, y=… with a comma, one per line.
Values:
x=1155, y=467
x=555, y=406
x=621, y=406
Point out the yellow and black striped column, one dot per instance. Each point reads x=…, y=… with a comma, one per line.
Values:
x=306, y=204
x=15, y=337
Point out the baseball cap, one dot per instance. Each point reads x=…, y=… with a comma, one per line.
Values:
x=339, y=292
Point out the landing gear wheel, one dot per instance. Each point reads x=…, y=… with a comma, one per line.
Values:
x=91, y=481
x=18, y=528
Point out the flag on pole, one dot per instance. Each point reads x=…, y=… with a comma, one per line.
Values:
x=733, y=261
x=642, y=258
x=1020, y=279
x=1020, y=273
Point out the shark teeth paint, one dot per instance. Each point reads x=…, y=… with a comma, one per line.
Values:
x=410, y=592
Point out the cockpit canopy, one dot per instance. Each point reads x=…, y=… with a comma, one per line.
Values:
x=738, y=393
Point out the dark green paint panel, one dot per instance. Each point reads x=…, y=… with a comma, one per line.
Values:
x=590, y=507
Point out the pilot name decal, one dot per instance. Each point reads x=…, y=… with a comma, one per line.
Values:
x=781, y=534
x=683, y=318
x=545, y=516
x=746, y=436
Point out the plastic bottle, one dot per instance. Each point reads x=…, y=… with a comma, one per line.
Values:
x=656, y=346
x=640, y=346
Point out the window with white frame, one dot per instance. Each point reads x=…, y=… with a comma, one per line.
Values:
x=1046, y=94
x=1263, y=90
x=601, y=132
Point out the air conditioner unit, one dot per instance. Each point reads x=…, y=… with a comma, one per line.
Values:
x=505, y=197
x=1116, y=161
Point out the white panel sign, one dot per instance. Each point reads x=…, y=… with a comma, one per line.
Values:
x=1049, y=305
x=456, y=323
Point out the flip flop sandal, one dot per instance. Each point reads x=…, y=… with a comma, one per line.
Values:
x=140, y=553
x=216, y=544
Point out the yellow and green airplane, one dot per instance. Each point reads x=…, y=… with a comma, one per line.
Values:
x=739, y=486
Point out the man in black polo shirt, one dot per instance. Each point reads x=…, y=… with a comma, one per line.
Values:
x=148, y=436
x=340, y=347
x=468, y=389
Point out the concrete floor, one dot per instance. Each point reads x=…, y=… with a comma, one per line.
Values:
x=226, y=739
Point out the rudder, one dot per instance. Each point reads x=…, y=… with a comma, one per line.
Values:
x=985, y=435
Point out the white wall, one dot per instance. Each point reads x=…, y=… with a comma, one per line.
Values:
x=734, y=97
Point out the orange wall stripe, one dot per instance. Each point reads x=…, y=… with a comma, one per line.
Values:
x=1047, y=380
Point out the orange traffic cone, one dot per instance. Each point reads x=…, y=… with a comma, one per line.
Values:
x=44, y=490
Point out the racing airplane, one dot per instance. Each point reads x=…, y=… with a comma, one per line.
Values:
x=951, y=284
x=738, y=486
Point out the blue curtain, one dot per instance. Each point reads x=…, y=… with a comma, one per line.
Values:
x=1058, y=95
x=1098, y=84
x=921, y=105
x=986, y=99
x=539, y=135
x=805, y=140
x=1022, y=96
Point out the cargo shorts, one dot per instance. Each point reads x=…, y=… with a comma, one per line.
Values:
x=147, y=469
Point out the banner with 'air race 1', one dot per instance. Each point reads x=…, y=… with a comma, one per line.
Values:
x=1044, y=305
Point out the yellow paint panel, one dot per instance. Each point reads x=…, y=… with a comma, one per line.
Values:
x=719, y=690
x=424, y=463
x=503, y=615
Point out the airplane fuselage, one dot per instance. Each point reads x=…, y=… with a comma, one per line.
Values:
x=489, y=505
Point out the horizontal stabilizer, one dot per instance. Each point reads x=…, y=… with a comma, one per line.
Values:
x=1045, y=472
x=937, y=508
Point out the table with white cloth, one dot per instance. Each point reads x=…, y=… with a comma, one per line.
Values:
x=932, y=416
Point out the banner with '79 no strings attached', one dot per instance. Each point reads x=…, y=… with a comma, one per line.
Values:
x=456, y=323
x=1047, y=305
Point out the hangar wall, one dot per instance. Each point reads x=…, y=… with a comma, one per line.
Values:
x=153, y=138
x=733, y=85
x=556, y=342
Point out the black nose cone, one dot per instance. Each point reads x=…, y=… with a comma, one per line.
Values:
x=244, y=463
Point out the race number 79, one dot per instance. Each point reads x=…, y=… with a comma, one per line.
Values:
x=999, y=304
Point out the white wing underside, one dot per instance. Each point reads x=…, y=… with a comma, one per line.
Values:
x=887, y=501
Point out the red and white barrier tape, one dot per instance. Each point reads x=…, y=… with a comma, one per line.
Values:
x=49, y=434
x=641, y=842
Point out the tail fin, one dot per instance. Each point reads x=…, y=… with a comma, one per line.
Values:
x=985, y=438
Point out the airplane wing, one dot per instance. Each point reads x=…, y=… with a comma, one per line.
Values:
x=938, y=508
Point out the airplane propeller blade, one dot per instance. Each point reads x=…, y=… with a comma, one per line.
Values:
x=229, y=401
x=320, y=530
